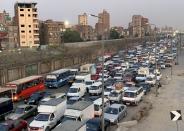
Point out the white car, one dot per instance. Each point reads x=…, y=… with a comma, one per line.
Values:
x=96, y=88
x=150, y=81
x=159, y=76
x=115, y=96
x=118, y=76
x=107, y=91
x=76, y=91
x=88, y=84
x=141, y=77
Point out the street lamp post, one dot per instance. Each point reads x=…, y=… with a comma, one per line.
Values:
x=103, y=129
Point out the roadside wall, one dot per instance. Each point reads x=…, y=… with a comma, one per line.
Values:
x=74, y=54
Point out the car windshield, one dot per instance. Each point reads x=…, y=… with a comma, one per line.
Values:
x=50, y=80
x=118, y=75
x=88, y=82
x=78, y=81
x=94, y=88
x=36, y=95
x=111, y=110
x=91, y=126
x=149, y=79
x=141, y=75
x=129, y=94
x=108, y=89
x=96, y=107
x=42, y=117
x=113, y=94
x=73, y=90
x=19, y=110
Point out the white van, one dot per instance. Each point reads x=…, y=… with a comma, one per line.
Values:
x=96, y=88
x=98, y=106
x=133, y=95
x=49, y=115
x=76, y=91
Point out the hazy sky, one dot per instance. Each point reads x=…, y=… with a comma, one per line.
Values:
x=160, y=12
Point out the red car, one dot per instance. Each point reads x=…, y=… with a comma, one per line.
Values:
x=11, y=125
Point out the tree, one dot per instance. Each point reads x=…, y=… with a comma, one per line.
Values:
x=114, y=34
x=71, y=36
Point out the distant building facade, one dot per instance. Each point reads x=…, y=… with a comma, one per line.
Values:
x=102, y=28
x=26, y=18
x=139, y=26
x=51, y=32
x=11, y=39
x=83, y=19
x=86, y=32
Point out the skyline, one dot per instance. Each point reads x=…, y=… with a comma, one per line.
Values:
x=161, y=13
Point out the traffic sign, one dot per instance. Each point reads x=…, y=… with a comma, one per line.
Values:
x=176, y=115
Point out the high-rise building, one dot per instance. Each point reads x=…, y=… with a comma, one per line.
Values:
x=83, y=19
x=140, y=26
x=50, y=32
x=26, y=18
x=104, y=18
x=103, y=26
x=5, y=18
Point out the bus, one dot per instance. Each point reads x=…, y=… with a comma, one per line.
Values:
x=25, y=87
x=57, y=78
x=6, y=92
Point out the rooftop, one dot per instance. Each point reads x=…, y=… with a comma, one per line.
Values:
x=80, y=105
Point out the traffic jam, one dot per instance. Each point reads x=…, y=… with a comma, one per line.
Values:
x=128, y=76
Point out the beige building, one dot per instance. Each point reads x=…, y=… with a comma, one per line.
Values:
x=86, y=32
x=103, y=26
x=51, y=32
x=83, y=19
x=26, y=17
x=140, y=26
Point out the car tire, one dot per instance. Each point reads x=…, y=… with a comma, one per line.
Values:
x=125, y=114
x=47, y=129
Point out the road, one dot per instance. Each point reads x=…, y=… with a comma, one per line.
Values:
x=170, y=98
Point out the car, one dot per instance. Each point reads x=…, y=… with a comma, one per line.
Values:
x=107, y=91
x=115, y=96
x=22, y=112
x=35, y=98
x=151, y=81
x=88, y=84
x=115, y=113
x=13, y=125
x=146, y=87
x=52, y=96
x=95, y=124
x=118, y=76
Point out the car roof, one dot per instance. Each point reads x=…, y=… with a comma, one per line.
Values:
x=99, y=101
x=4, y=99
x=133, y=89
x=97, y=83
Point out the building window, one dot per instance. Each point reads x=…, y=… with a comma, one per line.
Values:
x=29, y=25
x=29, y=15
x=28, y=9
x=30, y=31
x=22, y=31
x=22, y=25
x=21, y=9
x=22, y=15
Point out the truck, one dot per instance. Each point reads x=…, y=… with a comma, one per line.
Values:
x=70, y=125
x=6, y=107
x=80, y=111
x=88, y=68
x=49, y=115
